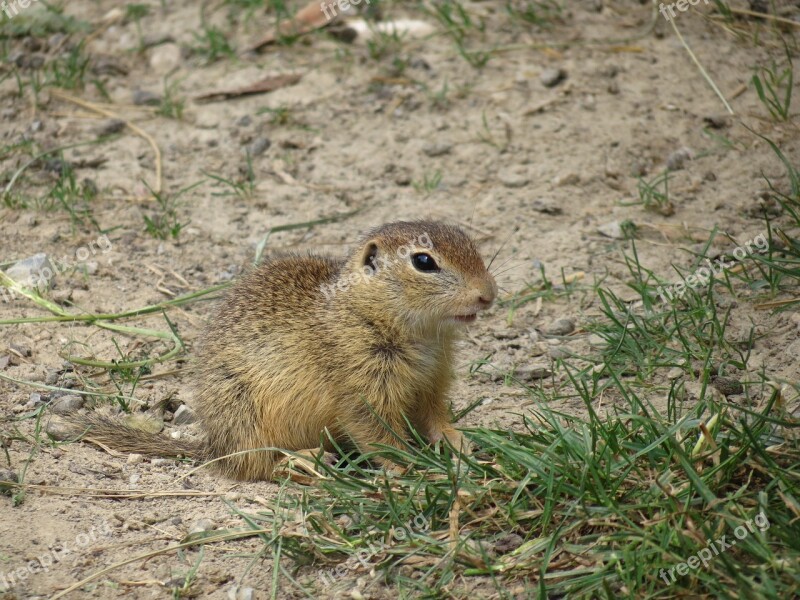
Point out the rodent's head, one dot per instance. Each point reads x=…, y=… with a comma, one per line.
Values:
x=429, y=272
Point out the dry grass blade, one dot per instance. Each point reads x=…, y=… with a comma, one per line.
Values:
x=148, y=555
x=703, y=72
x=133, y=127
x=268, y=84
x=110, y=493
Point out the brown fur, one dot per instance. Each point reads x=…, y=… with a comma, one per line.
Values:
x=288, y=355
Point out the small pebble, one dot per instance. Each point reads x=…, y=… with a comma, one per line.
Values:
x=557, y=352
x=403, y=179
x=532, y=373
x=201, y=526
x=135, y=459
x=145, y=98
x=507, y=543
x=66, y=405
x=184, y=415
x=597, y=341
x=61, y=297
x=7, y=476
x=612, y=230
x=151, y=40
x=259, y=146
x=566, y=179
x=560, y=327
x=59, y=431
x=675, y=373
x=727, y=386
x=678, y=159
x=241, y=593
x=717, y=121
x=552, y=77
x=506, y=333
x=513, y=179
x=165, y=58
x=437, y=149
x=36, y=270
x=111, y=127
x=546, y=208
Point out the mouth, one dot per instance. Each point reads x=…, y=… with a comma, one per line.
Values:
x=465, y=318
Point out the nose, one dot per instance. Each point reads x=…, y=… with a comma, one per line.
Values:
x=487, y=293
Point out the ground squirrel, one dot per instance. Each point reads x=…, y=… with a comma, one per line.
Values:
x=305, y=344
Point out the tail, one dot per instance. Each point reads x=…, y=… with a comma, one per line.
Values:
x=116, y=435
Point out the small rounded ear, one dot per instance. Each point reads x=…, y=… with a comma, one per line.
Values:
x=369, y=256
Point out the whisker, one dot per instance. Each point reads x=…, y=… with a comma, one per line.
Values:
x=500, y=249
x=510, y=267
x=505, y=262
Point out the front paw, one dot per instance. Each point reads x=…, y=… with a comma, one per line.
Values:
x=457, y=440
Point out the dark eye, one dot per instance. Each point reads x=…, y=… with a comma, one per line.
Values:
x=424, y=262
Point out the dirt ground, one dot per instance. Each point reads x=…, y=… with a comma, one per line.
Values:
x=534, y=172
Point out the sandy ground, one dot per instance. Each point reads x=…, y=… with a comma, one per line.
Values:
x=531, y=171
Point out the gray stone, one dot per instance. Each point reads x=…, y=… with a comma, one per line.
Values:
x=506, y=333
x=202, y=525
x=552, y=77
x=597, y=341
x=678, y=159
x=111, y=127
x=34, y=400
x=437, y=149
x=612, y=230
x=566, y=179
x=184, y=415
x=557, y=352
x=507, y=543
x=719, y=121
x=560, y=327
x=532, y=372
x=241, y=593
x=66, y=405
x=34, y=271
x=62, y=297
x=513, y=179
x=145, y=98
x=727, y=386
x=7, y=476
x=59, y=431
x=675, y=373
x=259, y=146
